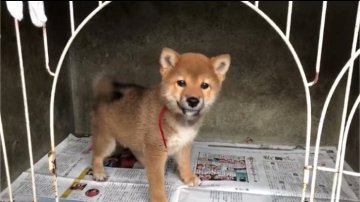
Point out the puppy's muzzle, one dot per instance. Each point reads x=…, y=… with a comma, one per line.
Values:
x=192, y=101
x=191, y=106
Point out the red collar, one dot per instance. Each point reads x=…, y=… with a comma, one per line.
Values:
x=161, y=115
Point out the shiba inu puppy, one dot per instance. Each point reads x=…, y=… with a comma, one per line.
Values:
x=160, y=121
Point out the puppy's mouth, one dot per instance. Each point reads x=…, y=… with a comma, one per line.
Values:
x=189, y=112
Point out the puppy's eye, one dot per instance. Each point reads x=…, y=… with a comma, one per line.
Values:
x=204, y=85
x=181, y=83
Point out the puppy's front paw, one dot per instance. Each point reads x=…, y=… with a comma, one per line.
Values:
x=100, y=177
x=158, y=199
x=192, y=181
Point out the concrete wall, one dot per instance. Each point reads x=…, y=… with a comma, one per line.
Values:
x=262, y=98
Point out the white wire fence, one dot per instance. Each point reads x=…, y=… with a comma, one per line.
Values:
x=15, y=9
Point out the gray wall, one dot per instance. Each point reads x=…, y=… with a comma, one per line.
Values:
x=262, y=98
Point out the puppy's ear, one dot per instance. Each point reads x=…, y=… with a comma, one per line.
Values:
x=168, y=60
x=221, y=65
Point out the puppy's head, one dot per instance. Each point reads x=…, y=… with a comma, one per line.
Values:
x=191, y=81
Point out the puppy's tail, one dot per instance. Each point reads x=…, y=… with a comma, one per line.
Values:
x=103, y=88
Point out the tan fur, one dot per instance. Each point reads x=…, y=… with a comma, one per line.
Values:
x=132, y=120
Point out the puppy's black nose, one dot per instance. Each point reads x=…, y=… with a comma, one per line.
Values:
x=192, y=101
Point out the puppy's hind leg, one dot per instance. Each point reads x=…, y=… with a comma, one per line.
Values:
x=103, y=146
x=139, y=157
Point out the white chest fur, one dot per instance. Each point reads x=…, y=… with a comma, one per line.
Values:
x=179, y=139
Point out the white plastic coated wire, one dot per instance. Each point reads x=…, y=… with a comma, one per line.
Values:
x=307, y=92
x=285, y=37
x=288, y=21
x=26, y=110
x=320, y=44
x=273, y=25
x=6, y=162
x=322, y=118
x=72, y=22
x=326, y=169
x=56, y=77
x=355, y=174
x=342, y=159
x=46, y=50
x=333, y=170
x=347, y=92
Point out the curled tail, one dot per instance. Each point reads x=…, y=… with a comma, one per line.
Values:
x=106, y=90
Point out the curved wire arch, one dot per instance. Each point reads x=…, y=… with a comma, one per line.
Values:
x=323, y=114
x=247, y=3
x=346, y=134
x=56, y=77
x=306, y=87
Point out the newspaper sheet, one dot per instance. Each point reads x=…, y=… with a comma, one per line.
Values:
x=229, y=173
